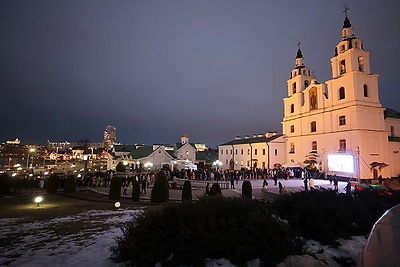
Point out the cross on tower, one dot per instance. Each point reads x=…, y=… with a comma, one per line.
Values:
x=345, y=10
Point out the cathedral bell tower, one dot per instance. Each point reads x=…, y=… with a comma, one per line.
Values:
x=351, y=72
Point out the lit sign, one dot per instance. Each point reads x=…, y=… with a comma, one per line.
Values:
x=341, y=163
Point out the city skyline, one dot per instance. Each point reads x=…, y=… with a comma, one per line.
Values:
x=158, y=70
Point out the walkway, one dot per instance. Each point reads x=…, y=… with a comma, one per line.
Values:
x=293, y=185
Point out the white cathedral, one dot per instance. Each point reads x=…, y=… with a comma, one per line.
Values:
x=338, y=127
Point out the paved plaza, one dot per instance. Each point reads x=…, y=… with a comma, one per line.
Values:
x=292, y=185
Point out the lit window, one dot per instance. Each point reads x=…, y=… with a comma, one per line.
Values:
x=291, y=148
x=361, y=64
x=313, y=126
x=342, y=94
x=314, y=146
x=342, y=145
x=343, y=67
x=342, y=120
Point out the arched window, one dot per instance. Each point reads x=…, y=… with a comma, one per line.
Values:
x=306, y=83
x=365, y=87
x=292, y=108
x=314, y=146
x=313, y=126
x=361, y=64
x=343, y=66
x=342, y=145
x=292, y=149
x=294, y=87
x=342, y=94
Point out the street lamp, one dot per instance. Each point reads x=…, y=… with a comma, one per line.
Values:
x=148, y=165
x=217, y=164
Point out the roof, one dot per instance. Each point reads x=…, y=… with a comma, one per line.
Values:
x=141, y=152
x=179, y=145
x=124, y=148
x=299, y=54
x=208, y=156
x=252, y=140
x=394, y=139
x=346, y=23
x=391, y=113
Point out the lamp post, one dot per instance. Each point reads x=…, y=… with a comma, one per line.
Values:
x=217, y=164
x=148, y=165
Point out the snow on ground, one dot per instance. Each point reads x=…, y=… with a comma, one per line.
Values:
x=52, y=243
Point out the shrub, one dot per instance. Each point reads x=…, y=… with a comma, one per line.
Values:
x=115, y=188
x=160, y=191
x=5, y=184
x=247, y=191
x=70, y=184
x=187, y=191
x=325, y=216
x=186, y=234
x=52, y=184
x=135, y=190
x=215, y=190
x=120, y=167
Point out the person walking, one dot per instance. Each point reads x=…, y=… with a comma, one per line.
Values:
x=280, y=187
x=265, y=183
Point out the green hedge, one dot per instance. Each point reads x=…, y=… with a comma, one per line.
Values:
x=187, y=191
x=52, y=184
x=160, y=191
x=186, y=234
x=135, y=190
x=215, y=190
x=5, y=184
x=247, y=191
x=70, y=184
x=115, y=188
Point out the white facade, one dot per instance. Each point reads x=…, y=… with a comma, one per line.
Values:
x=342, y=116
x=261, y=151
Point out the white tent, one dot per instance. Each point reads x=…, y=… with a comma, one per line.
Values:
x=383, y=245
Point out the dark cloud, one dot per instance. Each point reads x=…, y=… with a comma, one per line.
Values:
x=159, y=69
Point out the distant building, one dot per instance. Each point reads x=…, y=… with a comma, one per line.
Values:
x=259, y=151
x=179, y=156
x=110, y=137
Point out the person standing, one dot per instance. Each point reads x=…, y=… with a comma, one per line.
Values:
x=305, y=184
x=280, y=187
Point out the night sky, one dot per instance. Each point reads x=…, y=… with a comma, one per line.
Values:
x=211, y=69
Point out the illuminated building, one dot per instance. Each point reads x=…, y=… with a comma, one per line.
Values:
x=341, y=117
x=110, y=137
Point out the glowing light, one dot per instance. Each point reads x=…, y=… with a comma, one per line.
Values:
x=38, y=200
x=117, y=204
x=341, y=163
x=125, y=163
x=14, y=174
